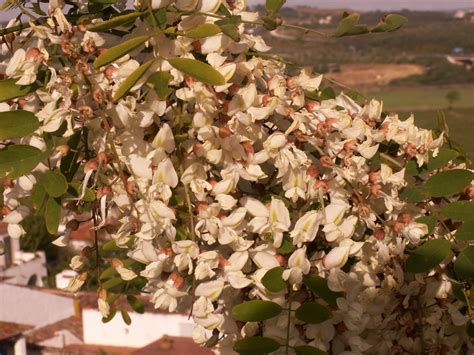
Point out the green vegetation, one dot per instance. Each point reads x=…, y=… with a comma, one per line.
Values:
x=424, y=98
x=425, y=102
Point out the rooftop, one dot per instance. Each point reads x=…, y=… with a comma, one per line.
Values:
x=173, y=345
x=72, y=324
x=9, y=330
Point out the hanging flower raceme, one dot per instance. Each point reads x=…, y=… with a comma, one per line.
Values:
x=278, y=215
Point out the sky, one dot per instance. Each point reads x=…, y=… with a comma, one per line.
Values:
x=358, y=5
x=364, y=5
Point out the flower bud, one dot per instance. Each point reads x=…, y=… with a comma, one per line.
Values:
x=405, y=217
x=326, y=161
x=116, y=263
x=379, y=234
x=91, y=165
x=281, y=259
x=5, y=211
x=312, y=171
x=104, y=191
x=63, y=149
x=224, y=132
x=8, y=183
x=73, y=224
x=103, y=158
x=34, y=55
x=109, y=72
x=103, y=294
x=175, y=280
x=86, y=252
x=132, y=188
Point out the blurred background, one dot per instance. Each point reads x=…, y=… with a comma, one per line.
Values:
x=423, y=68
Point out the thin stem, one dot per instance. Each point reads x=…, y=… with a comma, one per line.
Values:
x=189, y=205
x=305, y=29
x=287, y=346
x=96, y=246
x=391, y=160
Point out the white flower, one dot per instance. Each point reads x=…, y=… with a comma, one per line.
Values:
x=299, y=265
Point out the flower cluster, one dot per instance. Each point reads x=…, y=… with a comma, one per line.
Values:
x=218, y=178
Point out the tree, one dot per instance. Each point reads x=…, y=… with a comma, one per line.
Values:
x=291, y=217
x=452, y=96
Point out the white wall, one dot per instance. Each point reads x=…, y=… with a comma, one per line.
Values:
x=29, y=306
x=25, y=266
x=145, y=328
x=61, y=339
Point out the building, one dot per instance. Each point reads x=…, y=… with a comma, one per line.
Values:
x=19, y=267
x=37, y=320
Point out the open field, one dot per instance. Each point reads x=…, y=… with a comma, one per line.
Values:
x=374, y=74
x=424, y=98
x=425, y=102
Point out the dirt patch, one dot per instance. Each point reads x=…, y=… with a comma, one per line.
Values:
x=374, y=74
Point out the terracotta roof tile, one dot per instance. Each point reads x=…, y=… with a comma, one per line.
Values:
x=73, y=324
x=93, y=349
x=173, y=346
x=8, y=330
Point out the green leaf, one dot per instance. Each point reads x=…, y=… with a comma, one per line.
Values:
x=108, y=273
x=308, y=350
x=198, y=70
x=458, y=292
x=320, y=95
x=160, y=80
x=273, y=6
x=135, y=303
x=459, y=211
x=430, y=221
x=111, y=316
x=286, y=246
x=442, y=159
x=38, y=196
x=229, y=27
x=313, y=313
x=114, y=22
x=17, y=160
x=75, y=190
x=470, y=329
x=113, y=282
x=17, y=124
x=54, y=183
x=132, y=79
x=110, y=245
x=464, y=264
x=273, y=281
x=349, y=26
x=70, y=163
x=448, y=182
x=52, y=215
x=202, y=31
x=466, y=231
x=413, y=195
x=319, y=286
x=427, y=256
x=119, y=51
x=389, y=23
x=256, y=345
x=255, y=311
x=126, y=317
x=10, y=90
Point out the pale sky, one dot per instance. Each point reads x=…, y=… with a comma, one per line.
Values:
x=358, y=5
x=363, y=5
